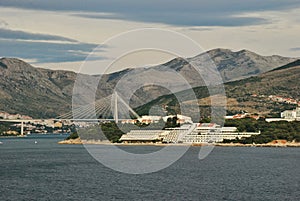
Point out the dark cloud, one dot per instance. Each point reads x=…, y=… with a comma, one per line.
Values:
x=21, y=35
x=198, y=29
x=46, y=52
x=189, y=19
x=44, y=48
x=295, y=49
x=183, y=13
x=185, y=19
x=97, y=16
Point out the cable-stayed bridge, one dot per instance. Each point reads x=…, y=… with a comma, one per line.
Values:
x=110, y=108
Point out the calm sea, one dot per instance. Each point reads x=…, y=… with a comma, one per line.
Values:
x=48, y=171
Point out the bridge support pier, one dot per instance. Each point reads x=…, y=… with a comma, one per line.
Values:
x=22, y=128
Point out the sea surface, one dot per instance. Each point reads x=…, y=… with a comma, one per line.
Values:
x=37, y=168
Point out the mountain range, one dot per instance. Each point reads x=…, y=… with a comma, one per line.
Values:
x=44, y=93
x=251, y=94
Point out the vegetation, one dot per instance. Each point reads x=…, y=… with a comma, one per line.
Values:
x=72, y=136
x=105, y=131
x=5, y=126
x=283, y=130
x=113, y=132
x=172, y=122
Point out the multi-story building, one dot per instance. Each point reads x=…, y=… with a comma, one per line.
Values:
x=144, y=136
x=291, y=114
x=187, y=133
x=287, y=115
x=210, y=132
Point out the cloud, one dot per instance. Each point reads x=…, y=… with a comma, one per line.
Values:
x=184, y=19
x=98, y=16
x=21, y=35
x=3, y=24
x=198, y=29
x=43, y=48
x=295, y=49
x=46, y=52
x=182, y=13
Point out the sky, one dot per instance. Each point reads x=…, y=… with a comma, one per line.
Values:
x=62, y=34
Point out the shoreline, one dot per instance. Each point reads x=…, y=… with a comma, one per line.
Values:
x=78, y=141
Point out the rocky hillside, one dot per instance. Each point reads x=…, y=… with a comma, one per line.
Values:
x=242, y=64
x=37, y=92
x=44, y=93
x=250, y=94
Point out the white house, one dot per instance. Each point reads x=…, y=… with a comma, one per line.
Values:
x=291, y=114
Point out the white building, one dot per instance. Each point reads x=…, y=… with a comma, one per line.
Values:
x=287, y=115
x=149, y=119
x=210, y=132
x=291, y=114
x=187, y=133
x=184, y=119
x=144, y=136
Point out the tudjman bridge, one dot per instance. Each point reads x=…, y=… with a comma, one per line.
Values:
x=106, y=109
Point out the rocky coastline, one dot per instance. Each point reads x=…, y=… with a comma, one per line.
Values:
x=275, y=143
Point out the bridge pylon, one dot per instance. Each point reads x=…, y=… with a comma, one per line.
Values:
x=117, y=99
x=116, y=113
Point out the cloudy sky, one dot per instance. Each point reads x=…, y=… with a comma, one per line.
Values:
x=61, y=34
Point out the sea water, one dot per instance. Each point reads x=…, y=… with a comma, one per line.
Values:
x=37, y=168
